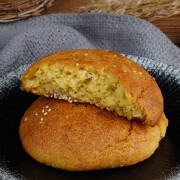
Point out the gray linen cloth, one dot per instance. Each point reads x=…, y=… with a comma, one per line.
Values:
x=28, y=40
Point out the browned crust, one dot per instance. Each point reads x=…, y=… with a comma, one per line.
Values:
x=80, y=137
x=136, y=80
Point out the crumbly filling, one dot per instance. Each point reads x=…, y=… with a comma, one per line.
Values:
x=84, y=85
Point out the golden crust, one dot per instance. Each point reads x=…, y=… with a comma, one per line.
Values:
x=134, y=78
x=80, y=137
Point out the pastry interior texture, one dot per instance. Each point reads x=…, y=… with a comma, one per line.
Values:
x=79, y=137
x=99, y=77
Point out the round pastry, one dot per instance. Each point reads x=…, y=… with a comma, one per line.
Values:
x=99, y=77
x=79, y=137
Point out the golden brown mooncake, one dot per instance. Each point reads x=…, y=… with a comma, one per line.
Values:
x=79, y=137
x=99, y=77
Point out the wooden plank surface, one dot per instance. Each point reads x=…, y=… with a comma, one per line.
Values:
x=170, y=26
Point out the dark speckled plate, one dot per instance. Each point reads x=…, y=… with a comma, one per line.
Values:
x=16, y=164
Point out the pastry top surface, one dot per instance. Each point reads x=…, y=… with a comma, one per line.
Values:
x=76, y=136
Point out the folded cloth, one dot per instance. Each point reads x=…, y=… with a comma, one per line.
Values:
x=26, y=41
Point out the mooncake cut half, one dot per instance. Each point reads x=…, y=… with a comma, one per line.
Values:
x=81, y=137
x=104, y=78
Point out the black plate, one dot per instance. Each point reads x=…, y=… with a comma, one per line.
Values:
x=15, y=163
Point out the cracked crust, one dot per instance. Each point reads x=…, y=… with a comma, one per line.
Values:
x=80, y=137
x=137, y=82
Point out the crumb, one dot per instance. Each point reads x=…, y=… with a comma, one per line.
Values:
x=70, y=101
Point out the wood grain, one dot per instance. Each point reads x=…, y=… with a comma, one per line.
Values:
x=170, y=26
